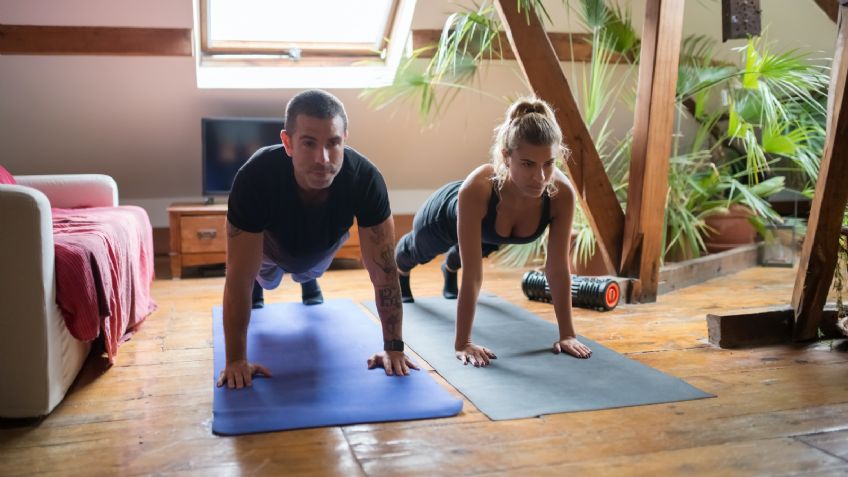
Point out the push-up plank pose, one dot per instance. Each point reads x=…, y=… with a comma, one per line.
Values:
x=510, y=200
x=290, y=210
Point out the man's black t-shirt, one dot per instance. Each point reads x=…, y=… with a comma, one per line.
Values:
x=264, y=198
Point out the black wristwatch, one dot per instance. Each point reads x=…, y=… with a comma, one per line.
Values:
x=393, y=345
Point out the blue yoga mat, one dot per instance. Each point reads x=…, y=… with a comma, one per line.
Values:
x=527, y=379
x=318, y=356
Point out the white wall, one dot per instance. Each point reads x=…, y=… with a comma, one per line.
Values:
x=138, y=118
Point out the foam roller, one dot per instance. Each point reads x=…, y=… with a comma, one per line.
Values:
x=598, y=293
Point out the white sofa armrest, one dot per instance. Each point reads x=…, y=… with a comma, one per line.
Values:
x=27, y=294
x=39, y=358
x=68, y=191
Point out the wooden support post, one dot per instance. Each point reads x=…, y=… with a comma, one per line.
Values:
x=818, y=255
x=652, y=133
x=541, y=67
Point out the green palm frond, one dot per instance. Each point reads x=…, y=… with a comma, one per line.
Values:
x=594, y=14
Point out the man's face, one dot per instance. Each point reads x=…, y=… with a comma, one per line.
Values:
x=316, y=149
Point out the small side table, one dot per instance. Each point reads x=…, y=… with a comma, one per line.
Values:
x=198, y=235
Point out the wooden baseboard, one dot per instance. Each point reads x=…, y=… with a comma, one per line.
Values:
x=674, y=276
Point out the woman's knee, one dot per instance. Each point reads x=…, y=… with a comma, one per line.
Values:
x=452, y=258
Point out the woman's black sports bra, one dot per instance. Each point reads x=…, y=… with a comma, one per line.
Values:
x=489, y=234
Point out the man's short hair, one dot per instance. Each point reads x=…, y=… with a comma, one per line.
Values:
x=315, y=103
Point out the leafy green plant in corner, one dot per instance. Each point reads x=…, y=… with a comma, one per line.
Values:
x=839, y=277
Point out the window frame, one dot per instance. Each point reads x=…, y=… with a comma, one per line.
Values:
x=263, y=53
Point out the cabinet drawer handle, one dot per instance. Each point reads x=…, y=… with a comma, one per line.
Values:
x=206, y=234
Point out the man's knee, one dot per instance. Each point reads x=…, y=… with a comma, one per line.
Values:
x=270, y=276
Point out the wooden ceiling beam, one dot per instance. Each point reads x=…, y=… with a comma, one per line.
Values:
x=543, y=72
x=830, y=7
x=86, y=40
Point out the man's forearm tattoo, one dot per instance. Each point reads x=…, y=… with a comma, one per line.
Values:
x=389, y=297
x=378, y=235
x=385, y=258
x=232, y=230
x=389, y=306
x=386, y=261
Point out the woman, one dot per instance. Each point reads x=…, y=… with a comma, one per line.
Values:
x=510, y=200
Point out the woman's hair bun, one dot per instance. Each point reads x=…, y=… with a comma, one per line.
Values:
x=523, y=108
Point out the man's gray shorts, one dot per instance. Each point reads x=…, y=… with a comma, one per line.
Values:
x=271, y=272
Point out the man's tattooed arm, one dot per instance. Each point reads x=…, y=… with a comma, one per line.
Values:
x=377, y=244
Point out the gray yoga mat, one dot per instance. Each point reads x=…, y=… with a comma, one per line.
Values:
x=527, y=379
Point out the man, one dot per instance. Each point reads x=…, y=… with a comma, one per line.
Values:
x=290, y=210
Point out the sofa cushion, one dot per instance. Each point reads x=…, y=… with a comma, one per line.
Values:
x=6, y=177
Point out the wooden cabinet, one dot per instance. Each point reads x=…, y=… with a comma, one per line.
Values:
x=199, y=237
x=350, y=249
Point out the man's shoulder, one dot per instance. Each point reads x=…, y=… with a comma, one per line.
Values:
x=266, y=164
x=355, y=158
x=358, y=166
x=265, y=157
x=264, y=171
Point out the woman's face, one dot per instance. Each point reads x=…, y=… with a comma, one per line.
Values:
x=531, y=167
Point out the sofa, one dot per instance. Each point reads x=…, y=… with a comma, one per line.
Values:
x=39, y=358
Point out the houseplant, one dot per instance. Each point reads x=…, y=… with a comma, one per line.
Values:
x=767, y=125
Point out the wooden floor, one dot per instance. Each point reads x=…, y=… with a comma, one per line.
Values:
x=780, y=410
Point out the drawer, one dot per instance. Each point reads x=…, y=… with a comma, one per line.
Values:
x=203, y=234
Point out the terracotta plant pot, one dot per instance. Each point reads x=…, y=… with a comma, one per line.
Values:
x=730, y=230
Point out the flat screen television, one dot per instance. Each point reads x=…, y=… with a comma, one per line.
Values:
x=228, y=143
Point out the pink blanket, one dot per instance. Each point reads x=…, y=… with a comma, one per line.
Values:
x=104, y=268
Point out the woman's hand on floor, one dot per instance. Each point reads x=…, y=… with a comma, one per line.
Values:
x=239, y=374
x=572, y=347
x=476, y=355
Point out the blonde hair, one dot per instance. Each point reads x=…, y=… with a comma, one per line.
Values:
x=529, y=120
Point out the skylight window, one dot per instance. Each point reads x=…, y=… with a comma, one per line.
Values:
x=261, y=44
x=296, y=29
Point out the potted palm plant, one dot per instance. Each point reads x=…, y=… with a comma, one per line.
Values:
x=768, y=125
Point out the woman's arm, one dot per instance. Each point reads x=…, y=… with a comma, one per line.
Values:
x=557, y=269
x=473, y=199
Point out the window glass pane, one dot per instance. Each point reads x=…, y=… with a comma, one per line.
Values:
x=298, y=21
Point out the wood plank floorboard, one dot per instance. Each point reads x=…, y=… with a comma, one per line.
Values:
x=779, y=410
